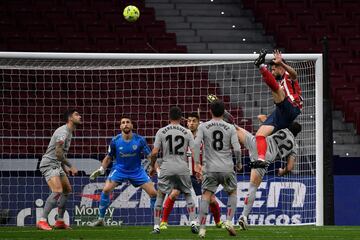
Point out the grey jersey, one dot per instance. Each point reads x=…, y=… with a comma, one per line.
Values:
x=174, y=141
x=281, y=143
x=62, y=134
x=219, y=137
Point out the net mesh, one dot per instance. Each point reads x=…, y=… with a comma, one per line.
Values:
x=34, y=94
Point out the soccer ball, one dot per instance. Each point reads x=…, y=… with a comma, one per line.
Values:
x=131, y=13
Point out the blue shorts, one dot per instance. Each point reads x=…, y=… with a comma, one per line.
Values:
x=284, y=114
x=136, y=178
x=196, y=186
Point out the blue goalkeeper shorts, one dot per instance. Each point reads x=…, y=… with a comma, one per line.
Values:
x=284, y=114
x=136, y=178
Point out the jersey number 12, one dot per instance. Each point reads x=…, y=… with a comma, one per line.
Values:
x=176, y=149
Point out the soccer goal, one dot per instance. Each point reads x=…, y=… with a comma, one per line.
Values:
x=36, y=88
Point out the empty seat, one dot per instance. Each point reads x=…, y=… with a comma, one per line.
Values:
x=347, y=29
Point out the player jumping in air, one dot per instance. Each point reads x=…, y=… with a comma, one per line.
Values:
x=218, y=138
x=54, y=166
x=286, y=95
x=193, y=122
x=174, y=140
x=127, y=149
x=281, y=143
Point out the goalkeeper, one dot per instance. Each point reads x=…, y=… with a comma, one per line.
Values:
x=281, y=143
x=126, y=149
x=287, y=98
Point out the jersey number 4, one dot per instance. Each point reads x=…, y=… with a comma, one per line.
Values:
x=180, y=144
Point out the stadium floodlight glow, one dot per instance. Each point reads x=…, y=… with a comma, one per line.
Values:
x=38, y=86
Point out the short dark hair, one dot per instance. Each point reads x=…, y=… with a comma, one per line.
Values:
x=295, y=128
x=175, y=113
x=68, y=113
x=125, y=116
x=217, y=108
x=194, y=115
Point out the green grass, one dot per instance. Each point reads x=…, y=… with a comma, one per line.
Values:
x=124, y=232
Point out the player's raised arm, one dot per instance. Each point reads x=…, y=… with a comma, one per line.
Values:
x=278, y=60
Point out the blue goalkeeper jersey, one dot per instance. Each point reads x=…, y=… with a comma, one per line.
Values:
x=128, y=153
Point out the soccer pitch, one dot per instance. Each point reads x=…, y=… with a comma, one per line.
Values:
x=124, y=232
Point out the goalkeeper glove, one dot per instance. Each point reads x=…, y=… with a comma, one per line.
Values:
x=97, y=173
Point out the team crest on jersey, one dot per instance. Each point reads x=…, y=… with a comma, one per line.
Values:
x=134, y=147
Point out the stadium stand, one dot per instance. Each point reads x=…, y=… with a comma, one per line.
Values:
x=82, y=26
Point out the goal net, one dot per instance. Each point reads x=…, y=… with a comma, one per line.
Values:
x=37, y=88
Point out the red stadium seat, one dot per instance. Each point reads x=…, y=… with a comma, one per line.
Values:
x=294, y=4
x=333, y=17
x=347, y=29
x=306, y=17
x=275, y=18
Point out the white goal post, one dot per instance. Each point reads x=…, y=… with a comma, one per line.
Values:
x=224, y=73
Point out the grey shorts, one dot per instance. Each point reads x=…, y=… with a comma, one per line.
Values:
x=180, y=182
x=52, y=171
x=250, y=144
x=212, y=180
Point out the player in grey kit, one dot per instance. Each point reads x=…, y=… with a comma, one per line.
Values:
x=54, y=166
x=174, y=141
x=281, y=143
x=219, y=141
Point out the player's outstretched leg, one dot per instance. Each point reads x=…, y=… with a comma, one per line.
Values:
x=104, y=203
x=255, y=180
x=204, y=210
x=157, y=212
x=243, y=222
x=50, y=203
x=231, y=205
x=191, y=210
x=60, y=223
x=168, y=206
x=261, y=59
x=215, y=210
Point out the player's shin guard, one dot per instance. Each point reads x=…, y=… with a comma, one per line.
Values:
x=190, y=206
x=157, y=210
x=269, y=79
x=104, y=203
x=51, y=202
x=261, y=146
x=249, y=200
x=231, y=207
x=204, y=210
x=215, y=210
x=168, y=206
x=61, y=205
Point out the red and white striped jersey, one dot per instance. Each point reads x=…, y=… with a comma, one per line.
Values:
x=292, y=90
x=191, y=161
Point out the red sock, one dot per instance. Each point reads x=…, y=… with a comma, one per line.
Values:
x=269, y=79
x=168, y=206
x=261, y=147
x=215, y=210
